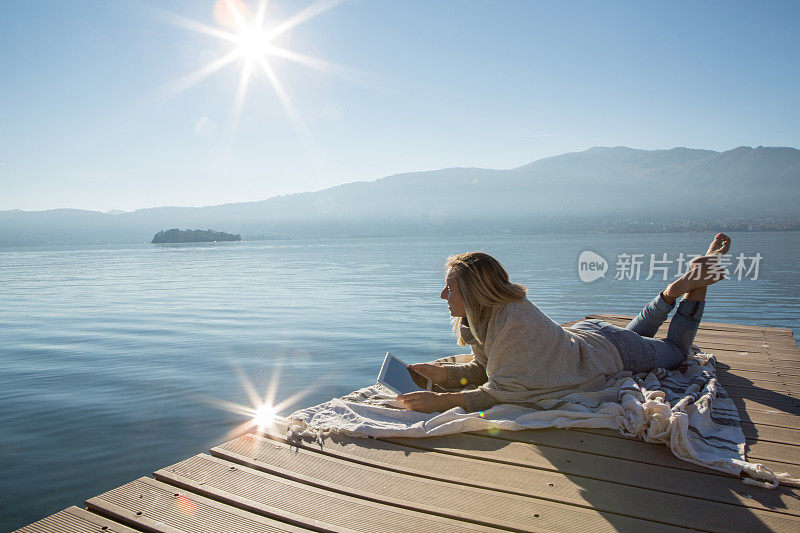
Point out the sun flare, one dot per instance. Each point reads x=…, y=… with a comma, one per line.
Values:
x=252, y=37
x=252, y=43
x=264, y=416
x=261, y=415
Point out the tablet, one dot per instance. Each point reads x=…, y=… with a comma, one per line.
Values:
x=396, y=376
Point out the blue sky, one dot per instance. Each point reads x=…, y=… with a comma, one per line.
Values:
x=87, y=121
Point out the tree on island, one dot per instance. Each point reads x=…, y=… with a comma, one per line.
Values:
x=193, y=235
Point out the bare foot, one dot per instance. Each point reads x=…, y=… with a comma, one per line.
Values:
x=702, y=275
x=720, y=245
x=704, y=261
x=703, y=271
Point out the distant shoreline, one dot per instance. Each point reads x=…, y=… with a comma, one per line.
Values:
x=388, y=236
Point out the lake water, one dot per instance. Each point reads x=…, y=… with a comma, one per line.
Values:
x=113, y=359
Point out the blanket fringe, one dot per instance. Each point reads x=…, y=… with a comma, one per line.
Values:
x=298, y=429
x=762, y=476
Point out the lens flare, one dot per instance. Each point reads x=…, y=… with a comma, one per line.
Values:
x=185, y=505
x=252, y=44
x=262, y=413
x=264, y=416
x=251, y=37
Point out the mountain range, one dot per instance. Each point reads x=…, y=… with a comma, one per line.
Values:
x=611, y=187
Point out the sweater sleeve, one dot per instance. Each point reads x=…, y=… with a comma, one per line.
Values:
x=470, y=373
x=478, y=400
x=459, y=375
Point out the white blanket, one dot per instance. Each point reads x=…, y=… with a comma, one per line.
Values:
x=686, y=409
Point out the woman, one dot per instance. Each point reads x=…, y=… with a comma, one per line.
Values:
x=520, y=355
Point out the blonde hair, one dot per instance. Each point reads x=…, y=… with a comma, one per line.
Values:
x=484, y=285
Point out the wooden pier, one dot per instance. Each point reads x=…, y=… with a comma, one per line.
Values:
x=533, y=480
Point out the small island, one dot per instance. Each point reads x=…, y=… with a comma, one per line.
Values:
x=193, y=235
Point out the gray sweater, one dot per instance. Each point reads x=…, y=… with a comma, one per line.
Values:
x=526, y=356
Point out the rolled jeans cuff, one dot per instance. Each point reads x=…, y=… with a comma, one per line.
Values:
x=661, y=304
x=691, y=309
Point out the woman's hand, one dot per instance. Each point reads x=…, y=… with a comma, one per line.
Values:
x=430, y=402
x=436, y=373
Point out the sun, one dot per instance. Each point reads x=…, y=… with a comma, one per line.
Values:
x=261, y=414
x=252, y=44
x=264, y=416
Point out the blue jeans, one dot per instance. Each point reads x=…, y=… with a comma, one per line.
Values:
x=639, y=351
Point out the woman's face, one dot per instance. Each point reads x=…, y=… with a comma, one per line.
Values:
x=453, y=296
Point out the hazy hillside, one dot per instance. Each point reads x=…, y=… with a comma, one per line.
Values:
x=669, y=186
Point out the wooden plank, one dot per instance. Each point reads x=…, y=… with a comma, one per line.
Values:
x=786, y=347
x=789, y=390
x=612, y=444
x=709, y=342
x=787, y=338
x=778, y=360
x=774, y=451
x=779, y=457
x=778, y=333
x=765, y=395
x=783, y=399
x=714, y=345
x=585, y=492
x=716, y=325
x=730, y=349
x=778, y=368
x=301, y=504
x=761, y=404
x=768, y=418
x=75, y=520
x=154, y=506
x=771, y=433
x=601, y=442
x=764, y=368
x=759, y=347
x=752, y=365
x=775, y=387
x=724, y=338
x=370, y=481
x=757, y=448
x=788, y=342
x=724, y=332
x=748, y=361
x=740, y=379
x=744, y=378
x=784, y=344
x=578, y=465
